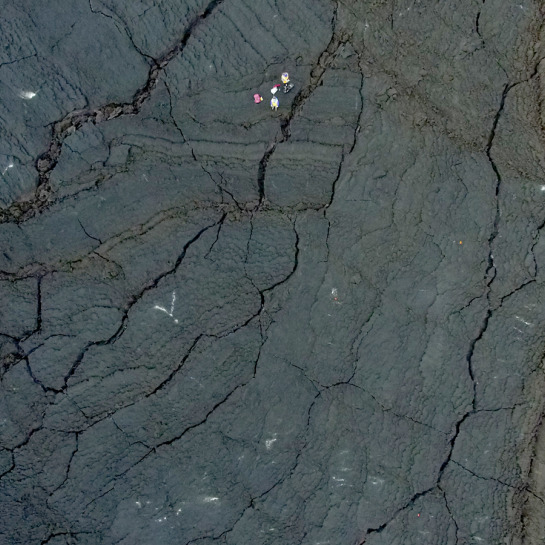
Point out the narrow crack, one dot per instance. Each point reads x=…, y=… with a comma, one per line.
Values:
x=391, y=17
x=101, y=495
x=497, y=409
x=171, y=375
x=117, y=267
x=316, y=75
x=125, y=30
x=7, y=63
x=38, y=327
x=11, y=468
x=499, y=481
x=60, y=534
x=221, y=189
x=477, y=27
x=512, y=292
x=451, y=514
x=201, y=422
x=21, y=211
x=87, y=233
x=31, y=373
x=11, y=359
x=536, y=496
x=490, y=274
x=117, y=476
x=26, y=440
x=324, y=61
x=491, y=270
x=69, y=465
x=37, y=269
x=530, y=475
x=295, y=264
x=127, y=438
x=281, y=480
x=263, y=340
x=231, y=393
x=409, y=504
x=268, y=289
x=384, y=408
x=341, y=163
x=261, y=171
x=207, y=254
x=151, y=285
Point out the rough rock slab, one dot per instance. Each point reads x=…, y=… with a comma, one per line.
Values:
x=225, y=324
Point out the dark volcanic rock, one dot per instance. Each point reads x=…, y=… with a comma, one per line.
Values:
x=226, y=324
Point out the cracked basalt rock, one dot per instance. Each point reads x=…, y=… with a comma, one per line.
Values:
x=223, y=324
x=52, y=64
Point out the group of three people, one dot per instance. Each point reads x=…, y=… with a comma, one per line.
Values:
x=274, y=100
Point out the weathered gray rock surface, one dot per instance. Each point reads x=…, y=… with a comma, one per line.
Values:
x=223, y=324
